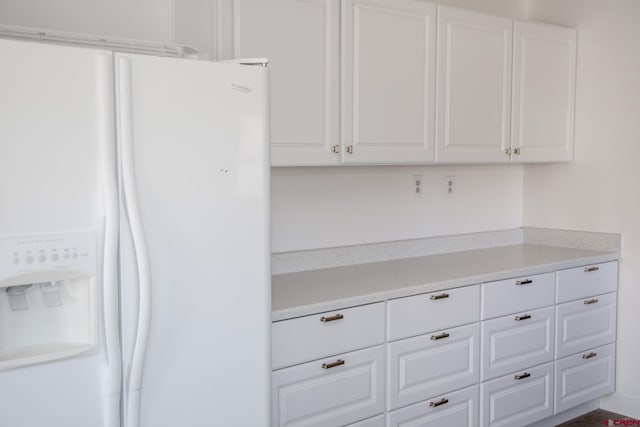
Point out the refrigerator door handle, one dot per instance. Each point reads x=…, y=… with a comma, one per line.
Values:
x=111, y=232
x=125, y=138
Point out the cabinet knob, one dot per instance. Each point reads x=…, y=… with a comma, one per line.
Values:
x=335, y=149
x=516, y=151
x=331, y=318
x=507, y=151
x=350, y=149
x=438, y=403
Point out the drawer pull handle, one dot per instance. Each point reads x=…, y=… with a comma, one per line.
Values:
x=331, y=318
x=333, y=364
x=438, y=403
x=439, y=337
x=441, y=296
x=522, y=376
x=524, y=282
x=523, y=317
x=591, y=269
x=591, y=301
x=589, y=356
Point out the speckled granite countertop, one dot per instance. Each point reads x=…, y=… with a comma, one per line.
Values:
x=308, y=292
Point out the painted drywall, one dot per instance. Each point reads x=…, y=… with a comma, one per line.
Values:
x=338, y=206
x=597, y=191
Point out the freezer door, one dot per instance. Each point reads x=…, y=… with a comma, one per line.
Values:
x=56, y=150
x=196, y=256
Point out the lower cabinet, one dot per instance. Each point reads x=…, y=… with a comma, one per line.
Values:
x=458, y=408
x=517, y=399
x=584, y=376
x=330, y=392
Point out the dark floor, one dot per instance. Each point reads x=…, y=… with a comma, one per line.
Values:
x=599, y=418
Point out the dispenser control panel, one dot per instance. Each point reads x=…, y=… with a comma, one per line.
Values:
x=65, y=251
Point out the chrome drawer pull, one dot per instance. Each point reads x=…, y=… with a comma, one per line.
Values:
x=591, y=269
x=439, y=337
x=591, y=301
x=523, y=317
x=524, y=282
x=333, y=364
x=438, y=403
x=589, y=356
x=331, y=318
x=441, y=296
x=523, y=376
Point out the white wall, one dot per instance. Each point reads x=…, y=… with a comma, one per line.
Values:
x=598, y=190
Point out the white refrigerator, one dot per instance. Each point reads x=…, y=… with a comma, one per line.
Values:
x=134, y=240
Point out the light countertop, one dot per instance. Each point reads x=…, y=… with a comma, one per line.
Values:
x=316, y=291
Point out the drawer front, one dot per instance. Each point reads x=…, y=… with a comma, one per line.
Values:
x=336, y=391
x=586, y=323
x=584, y=376
x=517, y=399
x=432, y=364
x=459, y=409
x=370, y=422
x=420, y=314
x=516, y=295
x=516, y=341
x=313, y=337
x=588, y=280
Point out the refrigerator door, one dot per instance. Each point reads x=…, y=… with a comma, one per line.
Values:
x=195, y=255
x=56, y=139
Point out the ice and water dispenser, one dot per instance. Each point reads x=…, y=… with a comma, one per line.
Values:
x=47, y=298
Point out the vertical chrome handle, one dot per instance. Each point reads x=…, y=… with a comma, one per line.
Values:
x=591, y=269
x=333, y=364
x=522, y=376
x=524, y=282
x=441, y=296
x=438, y=403
x=331, y=318
x=439, y=337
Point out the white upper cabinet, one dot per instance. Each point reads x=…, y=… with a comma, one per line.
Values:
x=473, y=86
x=544, y=72
x=388, y=75
x=301, y=41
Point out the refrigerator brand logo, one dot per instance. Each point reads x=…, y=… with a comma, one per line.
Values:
x=621, y=422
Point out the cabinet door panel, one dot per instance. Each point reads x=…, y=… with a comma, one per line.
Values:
x=301, y=40
x=326, y=392
x=512, y=342
x=544, y=71
x=388, y=53
x=473, y=86
x=428, y=365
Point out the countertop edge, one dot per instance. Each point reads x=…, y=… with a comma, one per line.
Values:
x=305, y=310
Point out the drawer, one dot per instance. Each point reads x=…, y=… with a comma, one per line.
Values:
x=584, y=377
x=581, y=282
x=313, y=337
x=331, y=392
x=456, y=409
x=516, y=341
x=517, y=399
x=429, y=365
x=420, y=314
x=370, y=422
x=586, y=323
x=518, y=294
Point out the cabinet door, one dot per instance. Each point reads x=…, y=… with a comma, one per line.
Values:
x=585, y=323
x=544, y=72
x=473, y=86
x=432, y=364
x=517, y=399
x=459, y=409
x=584, y=376
x=331, y=392
x=388, y=53
x=514, y=342
x=301, y=40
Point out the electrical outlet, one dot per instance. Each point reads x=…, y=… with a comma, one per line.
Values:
x=417, y=185
x=450, y=185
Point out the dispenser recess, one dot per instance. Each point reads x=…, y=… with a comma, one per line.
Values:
x=48, y=303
